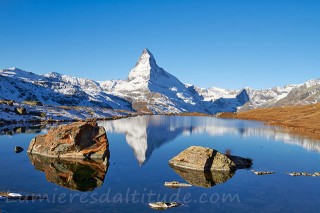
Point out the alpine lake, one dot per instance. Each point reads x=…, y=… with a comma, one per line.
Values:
x=140, y=148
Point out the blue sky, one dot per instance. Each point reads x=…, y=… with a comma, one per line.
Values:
x=224, y=43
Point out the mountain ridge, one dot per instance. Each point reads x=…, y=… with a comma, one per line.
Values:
x=148, y=89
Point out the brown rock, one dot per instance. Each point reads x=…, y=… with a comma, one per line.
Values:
x=7, y=102
x=207, y=159
x=33, y=103
x=75, y=140
x=20, y=110
x=203, y=159
x=75, y=174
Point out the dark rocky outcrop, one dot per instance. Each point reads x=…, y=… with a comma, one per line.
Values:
x=18, y=149
x=2, y=122
x=32, y=103
x=7, y=102
x=38, y=113
x=75, y=140
x=207, y=159
x=75, y=174
x=20, y=110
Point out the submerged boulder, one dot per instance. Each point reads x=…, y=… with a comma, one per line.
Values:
x=75, y=140
x=207, y=159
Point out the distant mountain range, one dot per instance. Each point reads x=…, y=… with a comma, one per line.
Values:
x=148, y=89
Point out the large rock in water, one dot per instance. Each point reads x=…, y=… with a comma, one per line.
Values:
x=75, y=140
x=207, y=159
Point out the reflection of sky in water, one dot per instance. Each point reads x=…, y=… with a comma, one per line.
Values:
x=146, y=133
x=139, y=138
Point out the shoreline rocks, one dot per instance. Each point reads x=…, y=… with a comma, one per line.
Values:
x=16, y=196
x=164, y=205
x=76, y=140
x=262, y=172
x=316, y=174
x=176, y=184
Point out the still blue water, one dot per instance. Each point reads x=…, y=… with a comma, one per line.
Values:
x=140, y=150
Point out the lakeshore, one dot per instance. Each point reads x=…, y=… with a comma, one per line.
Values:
x=300, y=119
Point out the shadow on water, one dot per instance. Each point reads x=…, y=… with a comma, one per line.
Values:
x=80, y=175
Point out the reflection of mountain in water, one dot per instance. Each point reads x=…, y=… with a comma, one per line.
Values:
x=81, y=175
x=24, y=128
x=147, y=133
x=144, y=133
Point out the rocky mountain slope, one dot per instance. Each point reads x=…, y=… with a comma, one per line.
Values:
x=148, y=89
x=295, y=94
x=151, y=89
x=56, y=89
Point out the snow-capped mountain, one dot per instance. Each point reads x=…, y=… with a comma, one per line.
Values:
x=265, y=97
x=214, y=93
x=151, y=89
x=294, y=94
x=148, y=89
x=56, y=89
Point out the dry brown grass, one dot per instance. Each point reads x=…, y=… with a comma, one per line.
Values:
x=300, y=118
x=193, y=114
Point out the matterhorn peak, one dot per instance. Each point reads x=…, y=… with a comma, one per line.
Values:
x=144, y=66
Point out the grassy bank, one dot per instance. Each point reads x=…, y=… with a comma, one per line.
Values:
x=298, y=118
